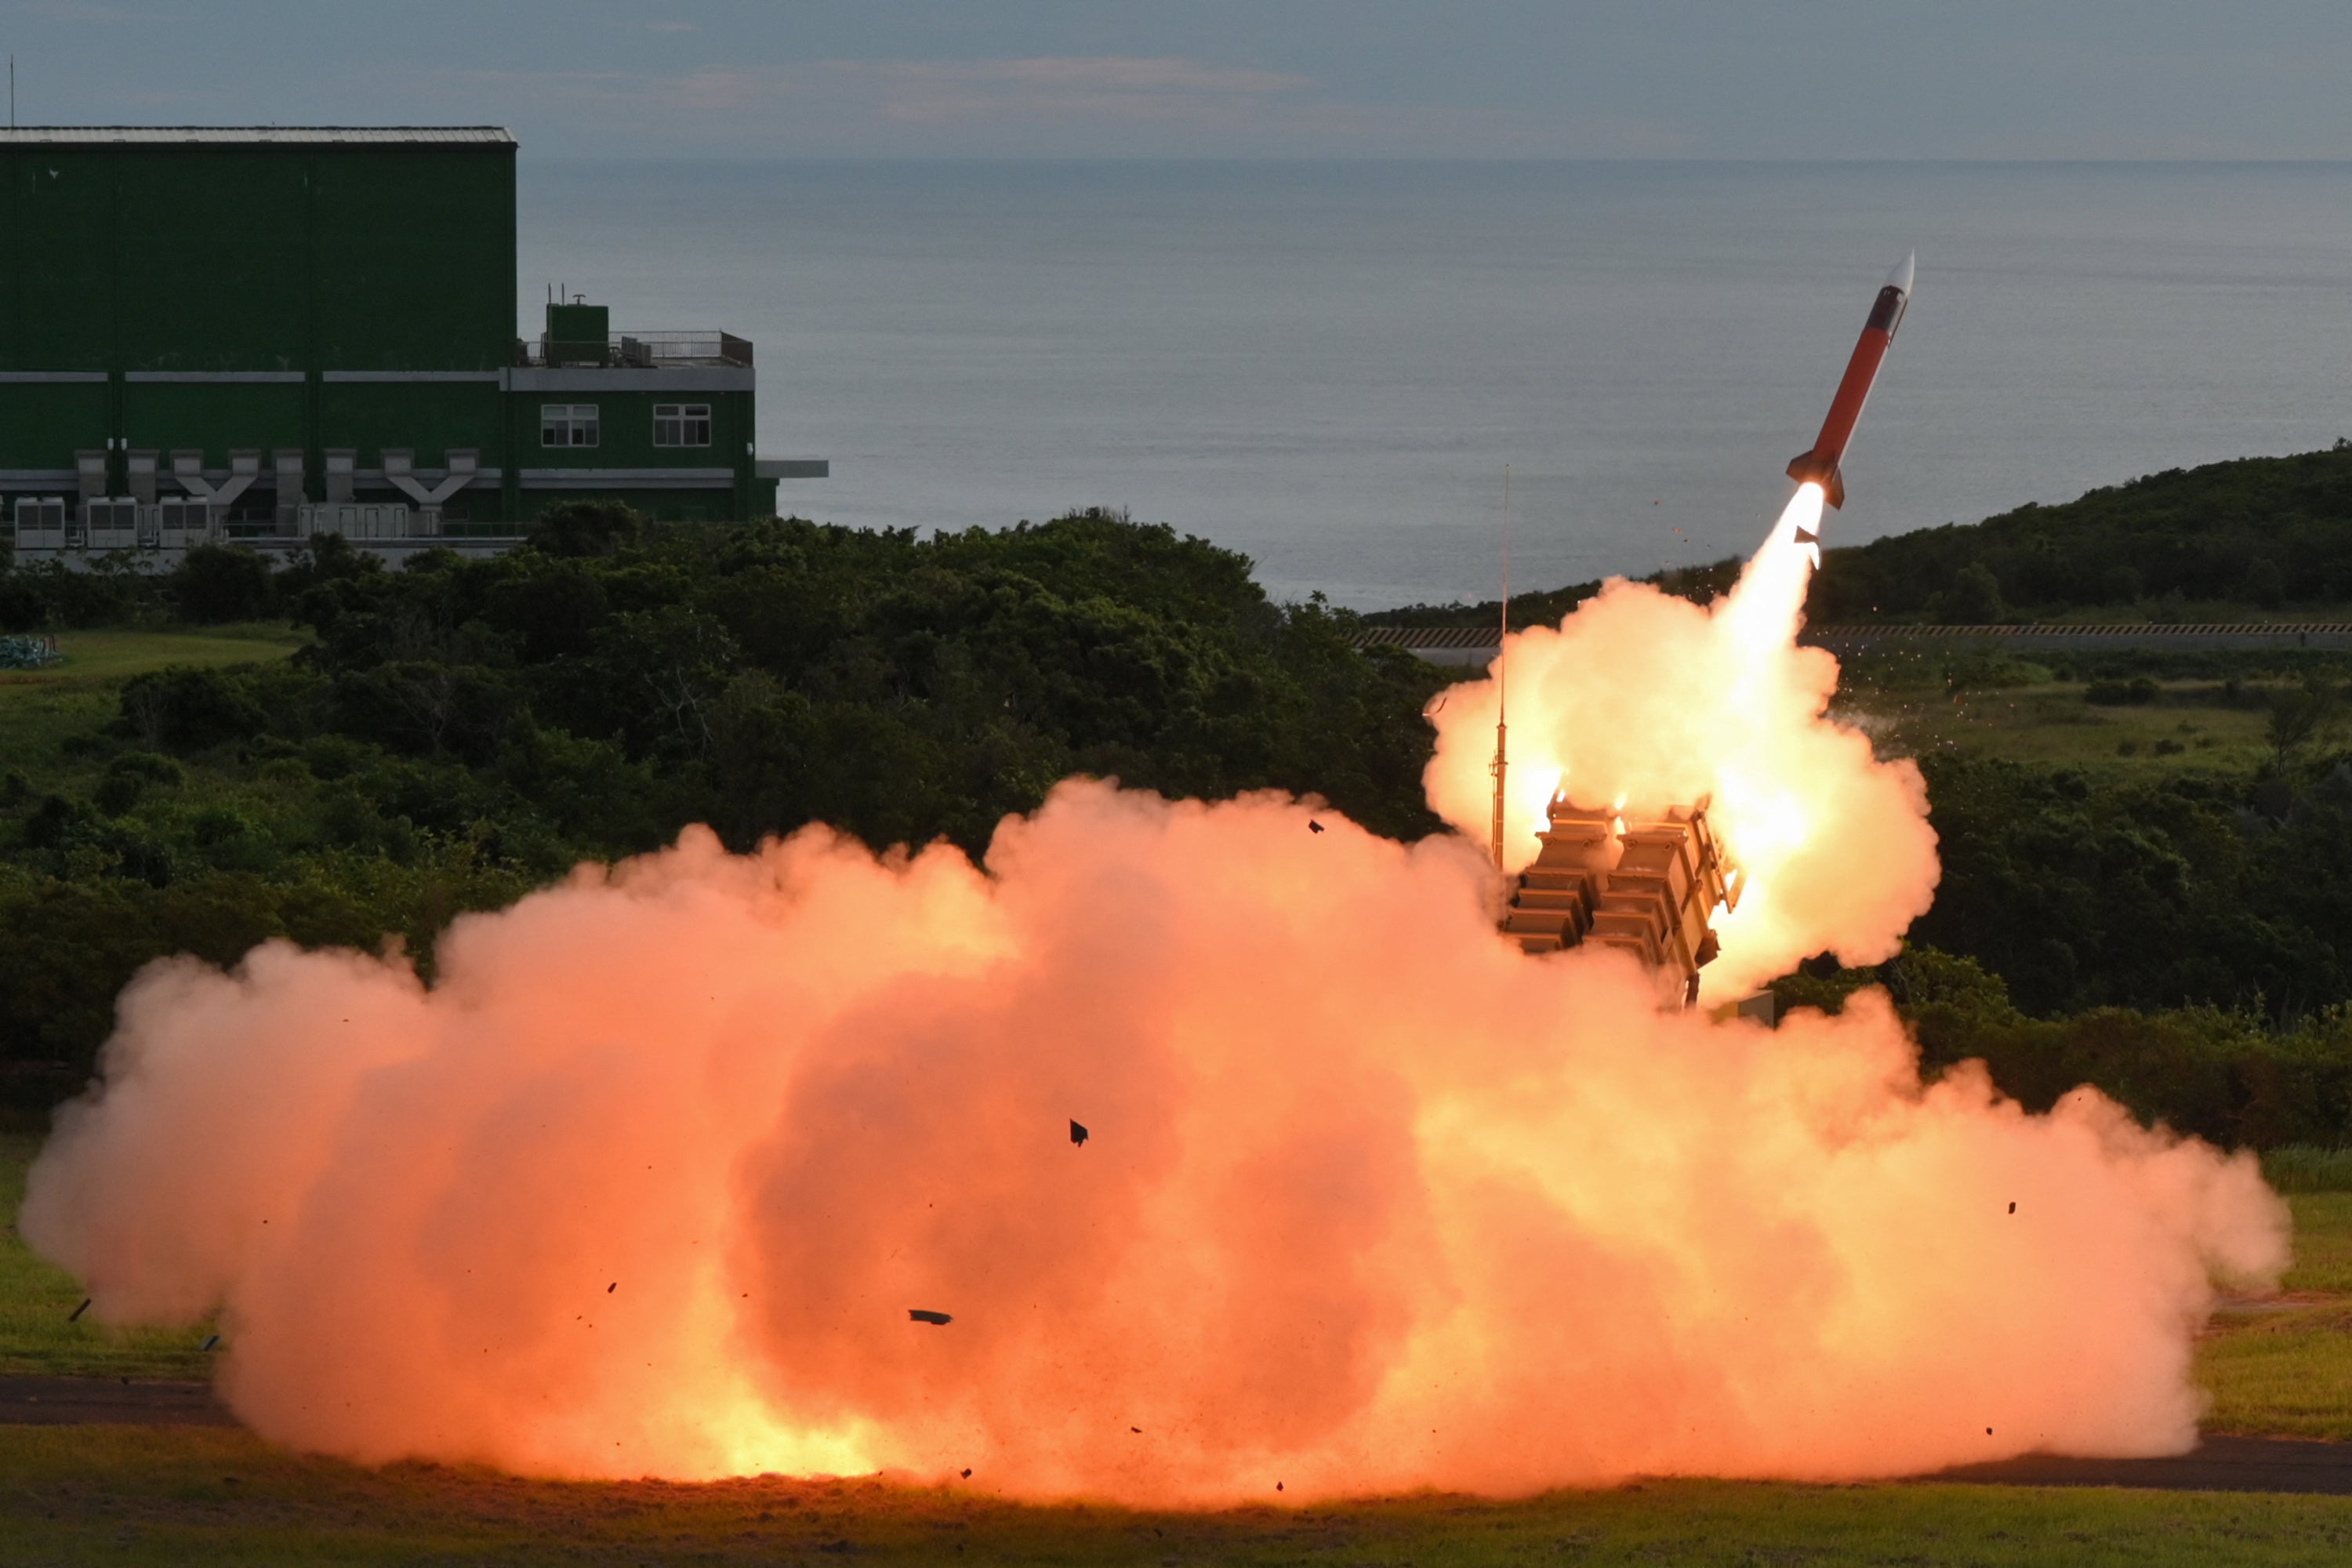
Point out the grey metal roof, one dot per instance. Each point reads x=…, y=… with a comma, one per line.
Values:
x=253, y=135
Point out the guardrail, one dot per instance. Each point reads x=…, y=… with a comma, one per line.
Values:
x=638, y=351
x=1472, y=645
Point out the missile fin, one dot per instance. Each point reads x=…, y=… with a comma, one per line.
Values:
x=1812, y=467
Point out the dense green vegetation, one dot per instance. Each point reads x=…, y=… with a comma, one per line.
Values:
x=2242, y=540
x=1701, y=583
x=2147, y=858
x=459, y=731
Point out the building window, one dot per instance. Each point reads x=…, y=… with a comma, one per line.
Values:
x=567, y=424
x=681, y=425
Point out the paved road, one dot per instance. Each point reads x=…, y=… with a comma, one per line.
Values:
x=72, y=1401
x=2219, y=1464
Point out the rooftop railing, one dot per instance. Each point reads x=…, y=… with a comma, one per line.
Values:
x=639, y=350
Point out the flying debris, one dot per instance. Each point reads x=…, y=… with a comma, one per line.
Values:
x=1313, y=826
x=1820, y=466
x=75, y=1316
x=918, y=1315
x=1077, y=1132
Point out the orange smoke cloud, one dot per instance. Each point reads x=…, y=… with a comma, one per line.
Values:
x=1647, y=699
x=650, y=1181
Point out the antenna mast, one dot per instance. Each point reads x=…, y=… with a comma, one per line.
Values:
x=1503, y=682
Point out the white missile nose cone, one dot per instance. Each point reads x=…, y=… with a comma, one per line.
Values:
x=1901, y=276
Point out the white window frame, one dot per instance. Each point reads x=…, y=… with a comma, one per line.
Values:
x=688, y=424
x=569, y=425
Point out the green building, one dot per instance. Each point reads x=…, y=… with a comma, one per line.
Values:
x=255, y=335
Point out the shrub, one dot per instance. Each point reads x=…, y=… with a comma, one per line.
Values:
x=219, y=582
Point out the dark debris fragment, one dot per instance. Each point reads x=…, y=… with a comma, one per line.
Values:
x=918, y=1314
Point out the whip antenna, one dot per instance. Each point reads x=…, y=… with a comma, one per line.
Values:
x=1502, y=682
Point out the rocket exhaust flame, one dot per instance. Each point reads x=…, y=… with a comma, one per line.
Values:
x=1368, y=1199
x=1644, y=698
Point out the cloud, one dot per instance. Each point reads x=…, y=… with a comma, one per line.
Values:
x=81, y=11
x=1046, y=105
x=1119, y=87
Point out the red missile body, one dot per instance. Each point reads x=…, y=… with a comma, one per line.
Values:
x=1821, y=464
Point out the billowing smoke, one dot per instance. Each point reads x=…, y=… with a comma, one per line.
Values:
x=1650, y=700
x=653, y=1177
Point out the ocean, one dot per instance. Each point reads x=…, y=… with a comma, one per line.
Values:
x=1328, y=365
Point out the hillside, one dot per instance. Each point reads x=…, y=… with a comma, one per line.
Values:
x=2253, y=539
x=2261, y=536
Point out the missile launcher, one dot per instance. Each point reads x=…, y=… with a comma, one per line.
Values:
x=1647, y=885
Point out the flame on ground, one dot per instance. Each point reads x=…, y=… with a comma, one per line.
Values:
x=649, y=1182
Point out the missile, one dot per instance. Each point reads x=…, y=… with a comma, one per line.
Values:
x=1821, y=464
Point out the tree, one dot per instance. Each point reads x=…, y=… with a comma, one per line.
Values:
x=219, y=582
x=587, y=528
x=1974, y=597
x=2264, y=584
x=2298, y=714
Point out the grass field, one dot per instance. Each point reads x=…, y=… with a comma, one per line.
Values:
x=136, y=1495
x=2191, y=726
x=127, y=1495
x=42, y=710
x=35, y=1300
x=96, y=657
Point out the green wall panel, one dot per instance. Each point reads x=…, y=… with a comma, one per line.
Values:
x=415, y=257
x=625, y=434
x=42, y=426
x=206, y=253
x=218, y=417
x=222, y=257
x=426, y=417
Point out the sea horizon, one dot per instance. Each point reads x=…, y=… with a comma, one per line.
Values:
x=1325, y=363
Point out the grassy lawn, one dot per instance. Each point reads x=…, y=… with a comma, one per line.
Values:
x=133, y=1495
x=128, y=1495
x=2189, y=727
x=2288, y=1373
x=36, y=1301
x=94, y=657
x=42, y=710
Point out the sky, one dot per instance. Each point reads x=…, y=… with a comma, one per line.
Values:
x=1178, y=78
